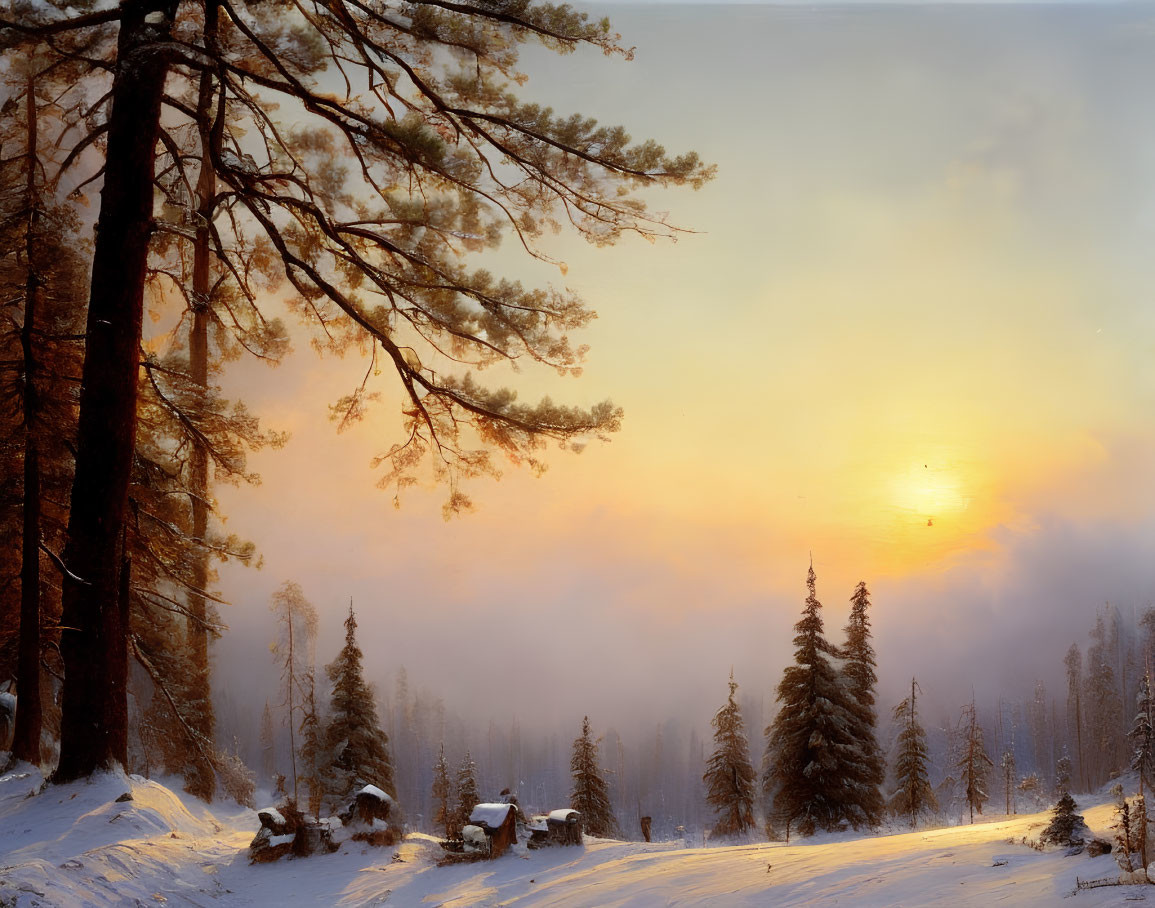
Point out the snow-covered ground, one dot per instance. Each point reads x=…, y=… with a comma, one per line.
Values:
x=76, y=845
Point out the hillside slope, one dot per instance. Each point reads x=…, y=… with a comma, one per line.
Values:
x=77, y=845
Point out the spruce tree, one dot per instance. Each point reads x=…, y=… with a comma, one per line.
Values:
x=311, y=747
x=975, y=764
x=1143, y=734
x=867, y=772
x=729, y=776
x=591, y=797
x=442, y=792
x=808, y=747
x=358, y=748
x=914, y=793
x=1102, y=706
x=268, y=744
x=1066, y=827
x=1063, y=773
x=1037, y=716
x=1073, y=662
x=467, y=796
x=1008, y=765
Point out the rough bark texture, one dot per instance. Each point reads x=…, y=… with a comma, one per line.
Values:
x=26, y=740
x=95, y=713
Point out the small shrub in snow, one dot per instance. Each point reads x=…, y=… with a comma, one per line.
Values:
x=1066, y=827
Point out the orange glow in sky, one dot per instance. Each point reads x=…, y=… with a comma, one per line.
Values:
x=915, y=321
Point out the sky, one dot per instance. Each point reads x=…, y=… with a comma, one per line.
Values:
x=910, y=336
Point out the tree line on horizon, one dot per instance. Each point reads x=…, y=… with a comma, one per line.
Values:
x=823, y=767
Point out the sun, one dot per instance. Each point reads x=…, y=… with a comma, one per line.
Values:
x=929, y=493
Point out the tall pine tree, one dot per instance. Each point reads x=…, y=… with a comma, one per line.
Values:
x=1103, y=706
x=437, y=198
x=442, y=793
x=974, y=764
x=42, y=276
x=729, y=776
x=1143, y=734
x=312, y=755
x=591, y=796
x=1073, y=662
x=297, y=620
x=914, y=794
x=865, y=775
x=358, y=748
x=268, y=744
x=467, y=796
x=809, y=748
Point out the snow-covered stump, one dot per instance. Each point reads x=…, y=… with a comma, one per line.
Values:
x=474, y=840
x=372, y=816
x=565, y=826
x=559, y=827
x=275, y=838
x=315, y=837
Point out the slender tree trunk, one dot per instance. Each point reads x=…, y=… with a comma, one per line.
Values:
x=292, y=681
x=94, y=716
x=1079, y=741
x=199, y=343
x=26, y=742
x=198, y=635
x=913, y=805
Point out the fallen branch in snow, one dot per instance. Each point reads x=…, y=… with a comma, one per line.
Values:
x=1095, y=884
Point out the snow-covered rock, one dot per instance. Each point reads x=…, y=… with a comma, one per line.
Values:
x=273, y=819
x=474, y=838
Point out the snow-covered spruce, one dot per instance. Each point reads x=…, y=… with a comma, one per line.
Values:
x=357, y=747
x=1067, y=827
x=867, y=772
x=913, y=794
x=811, y=751
x=591, y=797
x=729, y=777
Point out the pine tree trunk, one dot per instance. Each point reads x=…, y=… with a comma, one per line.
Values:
x=26, y=741
x=913, y=804
x=202, y=718
x=94, y=707
x=1079, y=741
x=292, y=680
